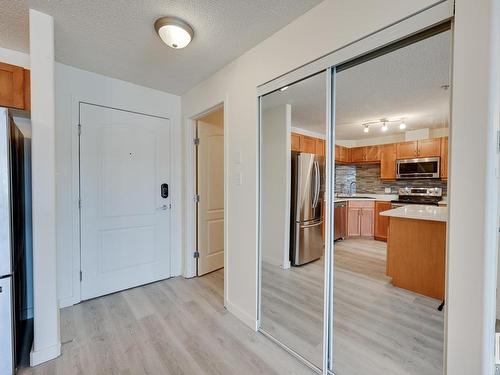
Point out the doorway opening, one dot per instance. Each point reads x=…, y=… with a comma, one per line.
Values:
x=210, y=197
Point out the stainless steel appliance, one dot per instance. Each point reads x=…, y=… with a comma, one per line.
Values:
x=13, y=281
x=417, y=168
x=409, y=195
x=340, y=220
x=306, y=242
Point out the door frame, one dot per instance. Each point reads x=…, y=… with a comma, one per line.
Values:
x=191, y=181
x=76, y=194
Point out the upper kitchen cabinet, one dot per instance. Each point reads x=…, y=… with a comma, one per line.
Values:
x=429, y=147
x=295, y=142
x=14, y=87
x=308, y=144
x=342, y=154
x=368, y=154
x=419, y=149
x=388, y=162
x=444, y=158
x=320, y=147
x=407, y=150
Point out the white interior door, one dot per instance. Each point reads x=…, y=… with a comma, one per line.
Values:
x=125, y=221
x=211, y=192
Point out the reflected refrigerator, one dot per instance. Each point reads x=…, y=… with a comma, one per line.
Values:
x=13, y=285
x=307, y=190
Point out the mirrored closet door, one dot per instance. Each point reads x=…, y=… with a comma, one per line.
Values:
x=293, y=216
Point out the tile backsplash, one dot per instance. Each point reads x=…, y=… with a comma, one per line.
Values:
x=367, y=178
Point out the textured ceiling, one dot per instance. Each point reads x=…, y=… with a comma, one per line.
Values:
x=405, y=83
x=116, y=37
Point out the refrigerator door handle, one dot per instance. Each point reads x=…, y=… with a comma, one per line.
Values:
x=315, y=224
x=316, y=184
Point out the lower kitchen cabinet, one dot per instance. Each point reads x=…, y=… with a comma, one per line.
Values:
x=381, y=222
x=360, y=219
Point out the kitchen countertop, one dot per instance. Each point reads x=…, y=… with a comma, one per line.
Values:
x=419, y=212
x=369, y=197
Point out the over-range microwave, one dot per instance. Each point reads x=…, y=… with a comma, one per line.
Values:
x=417, y=168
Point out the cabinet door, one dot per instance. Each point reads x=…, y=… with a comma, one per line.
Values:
x=320, y=147
x=381, y=222
x=11, y=86
x=353, y=222
x=295, y=142
x=444, y=158
x=429, y=147
x=307, y=144
x=358, y=154
x=372, y=153
x=406, y=150
x=345, y=154
x=367, y=222
x=337, y=154
x=388, y=162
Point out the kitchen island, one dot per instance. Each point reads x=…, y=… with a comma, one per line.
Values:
x=416, y=248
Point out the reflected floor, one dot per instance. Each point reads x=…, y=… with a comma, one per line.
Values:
x=379, y=329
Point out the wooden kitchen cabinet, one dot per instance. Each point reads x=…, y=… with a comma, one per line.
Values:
x=381, y=222
x=357, y=154
x=342, y=154
x=353, y=222
x=14, y=87
x=388, y=162
x=407, y=150
x=366, y=225
x=444, y=158
x=372, y=153
x=295, y=142
x=429, y=148
x=360, y=219
x=307, y=144
x=320, y=147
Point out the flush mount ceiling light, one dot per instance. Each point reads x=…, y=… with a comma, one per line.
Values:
x=174, y=32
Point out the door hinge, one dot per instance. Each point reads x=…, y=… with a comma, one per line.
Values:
x=79, y=129
x=196, y=141
x=196, y=254
x=196, y=198
x=79, y=203
x=81, y=275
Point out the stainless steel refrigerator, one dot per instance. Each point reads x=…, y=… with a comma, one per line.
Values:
x=306, y=242
x=13, y=279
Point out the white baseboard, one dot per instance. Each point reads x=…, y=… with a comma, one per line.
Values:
x=43, y=355
x=246, y=318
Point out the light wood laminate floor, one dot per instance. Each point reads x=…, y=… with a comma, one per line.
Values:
x=176, y=326
x=378, y=329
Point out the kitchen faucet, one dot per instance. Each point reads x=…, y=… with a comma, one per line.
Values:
x=350, y=187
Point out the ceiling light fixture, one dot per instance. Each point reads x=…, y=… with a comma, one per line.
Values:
x=402, y=126
x=366, y=128
x=384, y=126
x=283, y=88
x=174, y=32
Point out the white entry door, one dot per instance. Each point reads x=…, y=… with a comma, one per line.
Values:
x=211, y=192
x=125, y=219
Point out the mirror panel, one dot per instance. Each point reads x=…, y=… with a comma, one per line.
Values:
x=292, y=185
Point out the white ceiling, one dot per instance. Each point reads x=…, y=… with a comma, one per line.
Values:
x=117, y=38
x=405, y=84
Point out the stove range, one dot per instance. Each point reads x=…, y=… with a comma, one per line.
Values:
x=408, y=195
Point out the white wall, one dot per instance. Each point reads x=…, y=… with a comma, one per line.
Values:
x=12, y=57
x=473, y=225
x=74, y=85
x=276, y=125
x=330, y=25
x=47, y=341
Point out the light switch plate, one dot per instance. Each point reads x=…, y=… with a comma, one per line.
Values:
x=387, y=190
